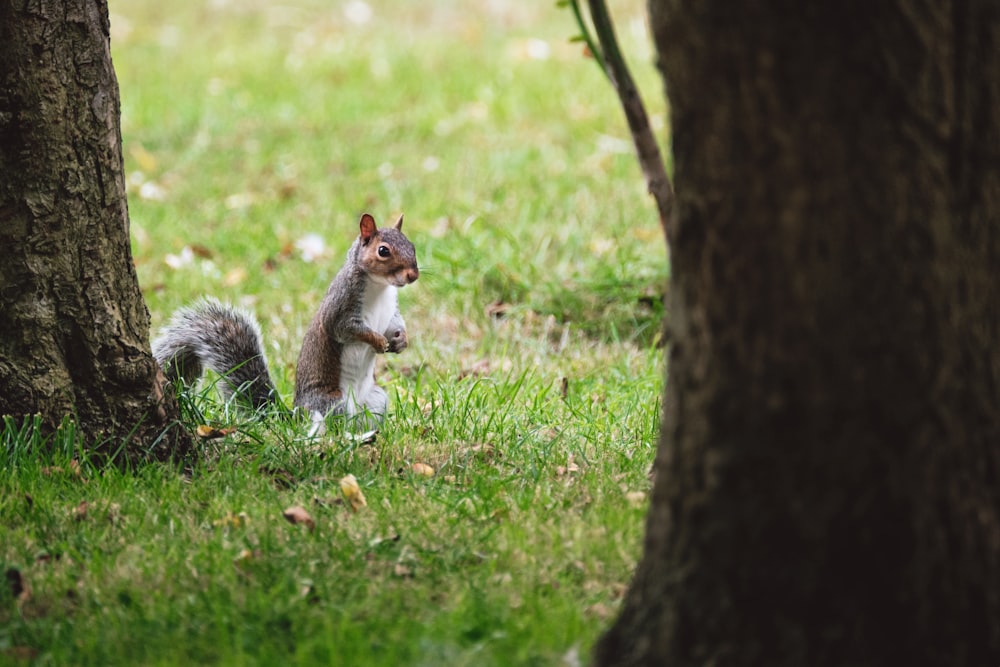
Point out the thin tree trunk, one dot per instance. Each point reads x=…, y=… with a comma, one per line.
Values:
x=75, y=334
x=828, y=476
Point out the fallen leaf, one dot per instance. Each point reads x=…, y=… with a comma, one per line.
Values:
x=206, y=432
x=204, y=252
x=569, y=468
x=80, y=511
x=298, y=515
x=232, y=520
x=352, y=492
x=422, y=469
x=74, y=469
x=401, y=570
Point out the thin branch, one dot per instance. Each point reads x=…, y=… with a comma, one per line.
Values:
x=648, y=150
x=586, y=37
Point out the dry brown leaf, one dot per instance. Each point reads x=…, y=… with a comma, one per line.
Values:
x=570, y=467
x=80, y=511
x=298, y=515
x=401, y=570
x=201, y=251
x=352, y=492
x=74, y=469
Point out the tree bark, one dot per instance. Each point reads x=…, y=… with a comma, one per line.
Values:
x=75, y=335
x=828, y=475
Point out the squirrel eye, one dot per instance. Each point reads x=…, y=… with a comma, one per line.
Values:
x=383, y=251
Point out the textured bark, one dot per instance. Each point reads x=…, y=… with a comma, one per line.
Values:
x=828, y=476
x=75, y=335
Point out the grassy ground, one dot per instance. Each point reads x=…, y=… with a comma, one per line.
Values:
x=255, y=134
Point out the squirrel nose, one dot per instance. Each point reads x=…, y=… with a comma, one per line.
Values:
x=412, y=274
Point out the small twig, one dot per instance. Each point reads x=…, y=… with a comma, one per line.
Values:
x=586, y=37
x=613, y=64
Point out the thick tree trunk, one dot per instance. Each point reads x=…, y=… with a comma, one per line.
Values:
x=75, y=334
x=828, y=477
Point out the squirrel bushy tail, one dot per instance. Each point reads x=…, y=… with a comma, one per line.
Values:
x=211, y=334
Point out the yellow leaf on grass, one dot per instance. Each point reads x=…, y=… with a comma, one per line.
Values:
x=231, y=520
x=422, y=469
x=206, y=432
x=352, y=492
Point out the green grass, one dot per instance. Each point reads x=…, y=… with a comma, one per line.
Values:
x=247, y=126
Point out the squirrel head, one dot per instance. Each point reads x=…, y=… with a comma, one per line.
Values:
x=385, y=254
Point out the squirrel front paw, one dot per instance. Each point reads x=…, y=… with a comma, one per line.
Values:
x=377, y=341
x=397, y=341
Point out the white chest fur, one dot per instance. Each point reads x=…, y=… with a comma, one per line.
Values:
x=378, y=305
x=357, y=363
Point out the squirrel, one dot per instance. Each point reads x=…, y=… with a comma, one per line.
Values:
x=335, y=374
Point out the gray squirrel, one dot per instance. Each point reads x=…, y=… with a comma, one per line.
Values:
x=335, y=374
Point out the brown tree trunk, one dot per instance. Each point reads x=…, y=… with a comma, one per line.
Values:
x=828, y=476
x=75, y=334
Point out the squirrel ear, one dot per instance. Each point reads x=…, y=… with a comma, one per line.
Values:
x=368, y=228
x=399, y=223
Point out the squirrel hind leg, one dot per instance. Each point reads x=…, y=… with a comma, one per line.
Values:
x=367, y=414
